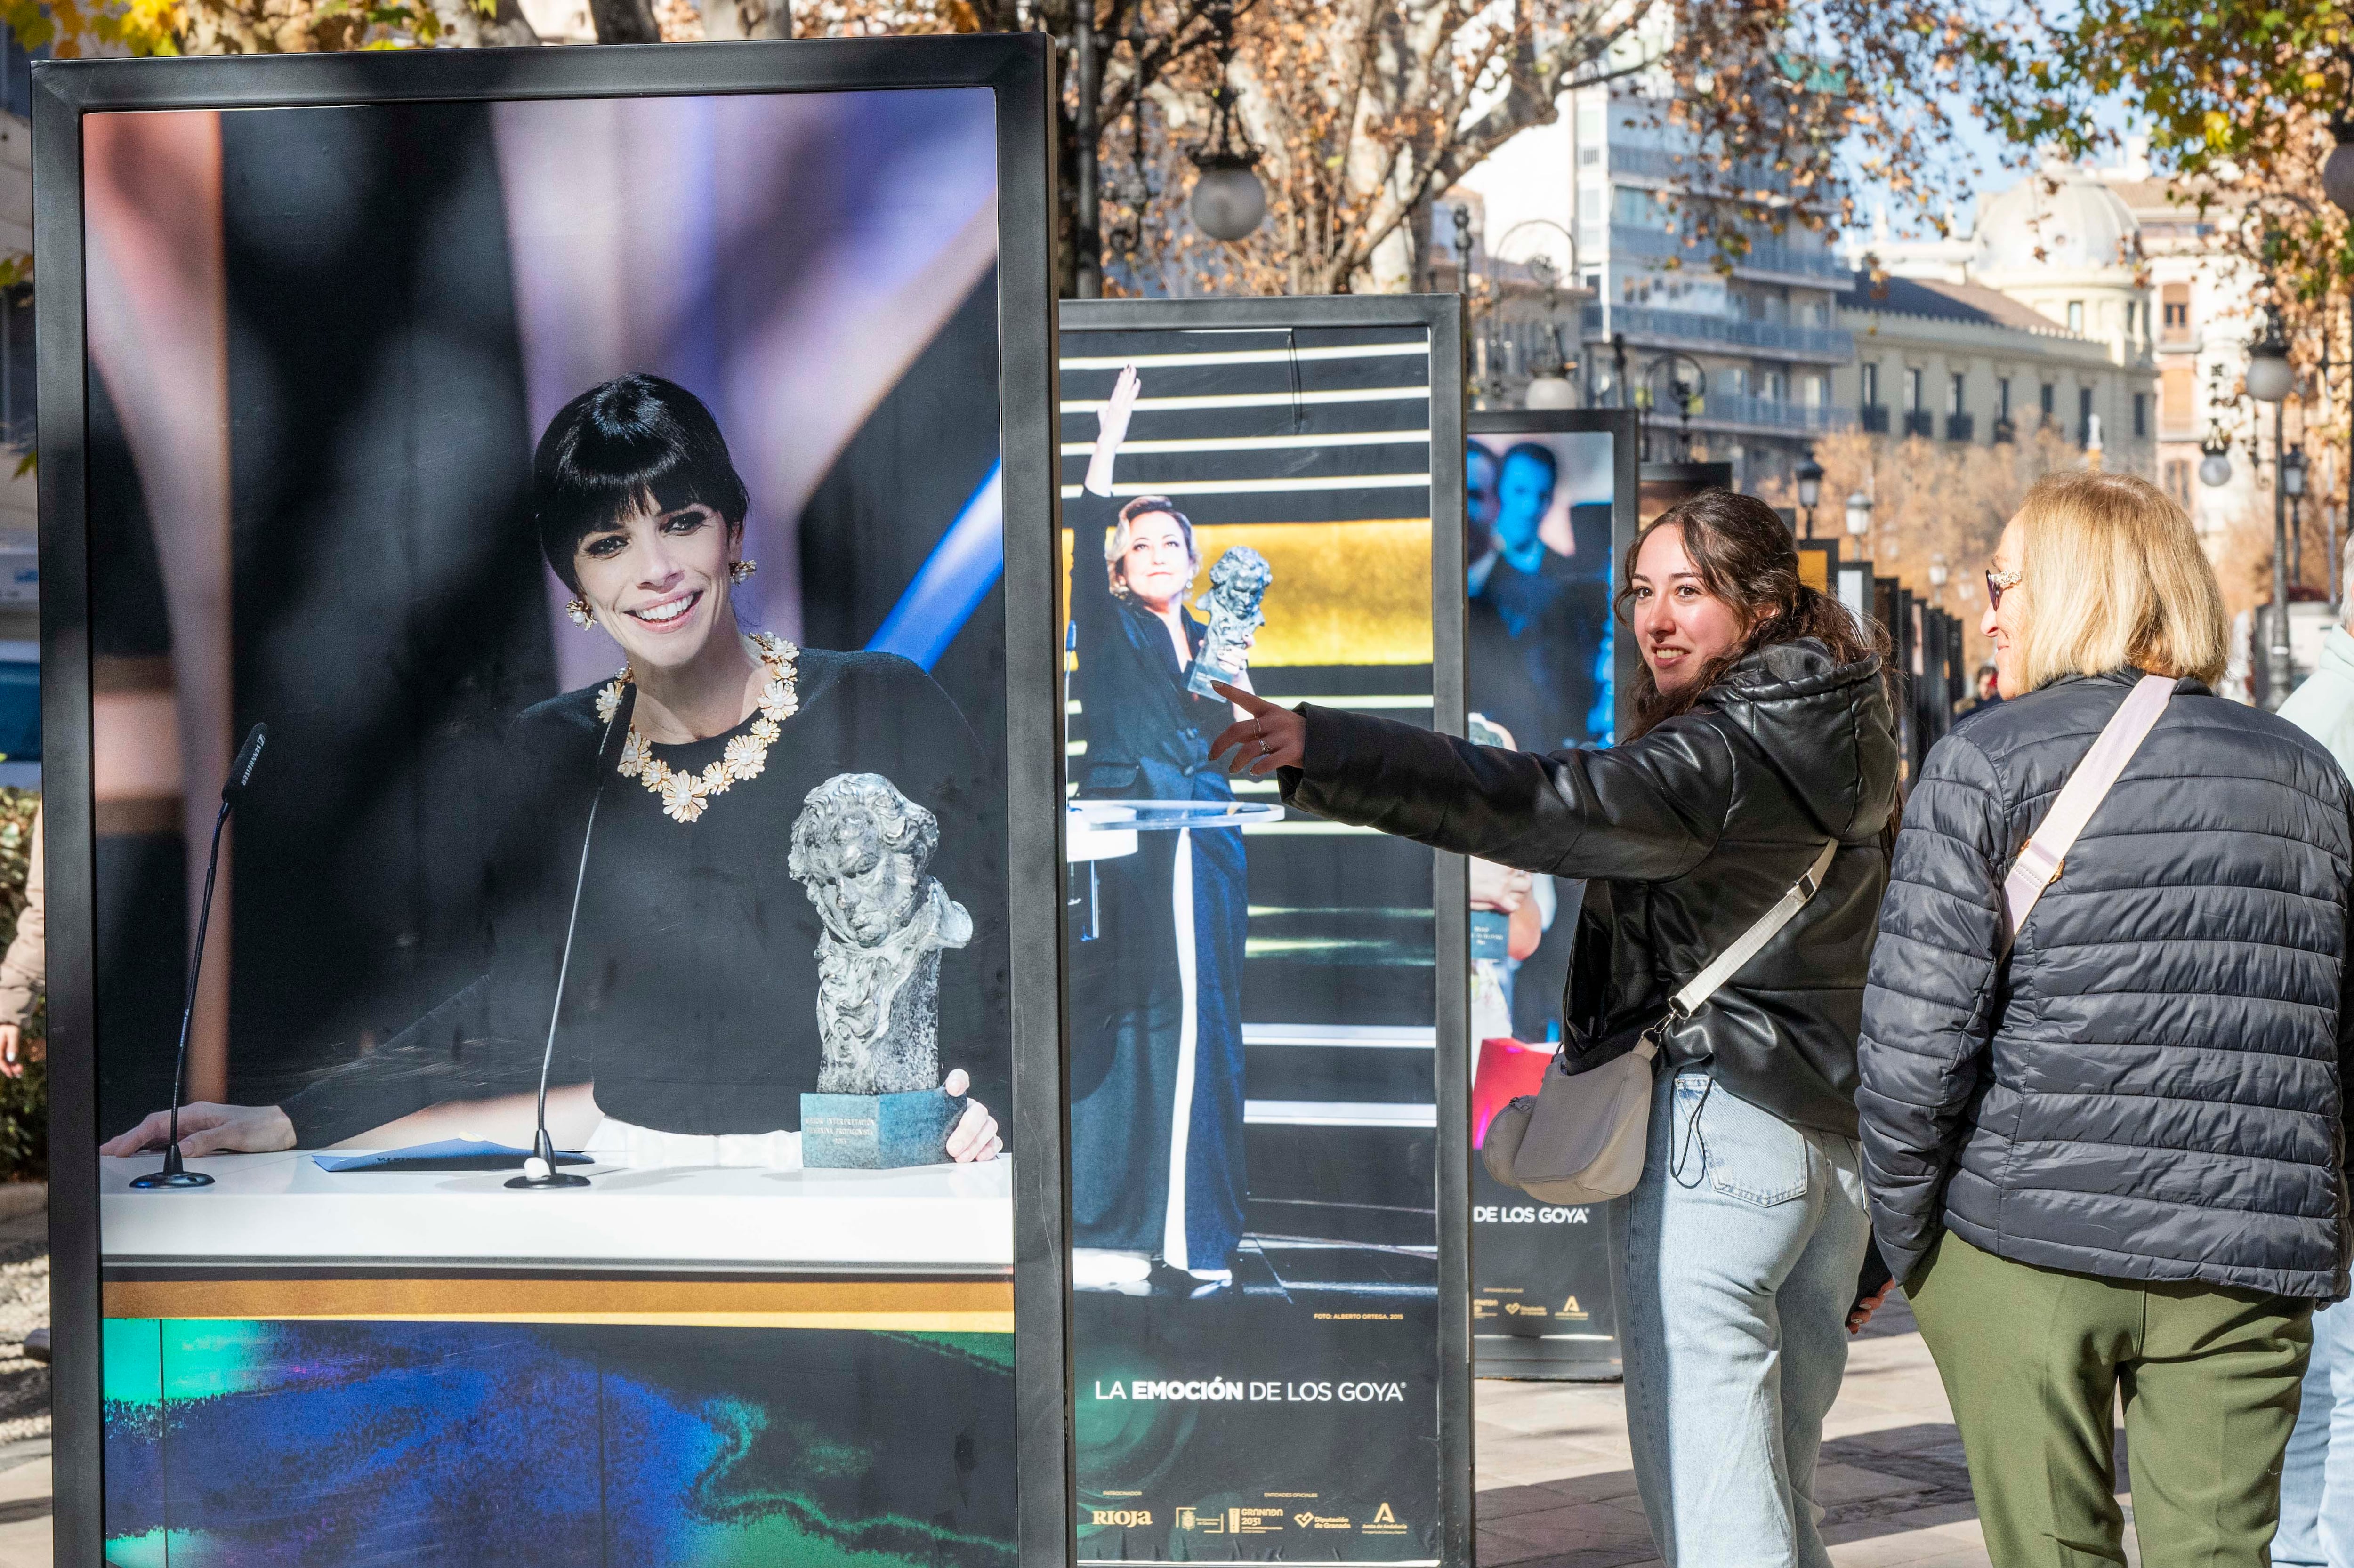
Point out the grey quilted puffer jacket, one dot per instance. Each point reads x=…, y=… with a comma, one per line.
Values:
x=2149, y=1087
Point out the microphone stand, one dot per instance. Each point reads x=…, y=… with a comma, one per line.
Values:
x=540, y=1171
x=175, y=1173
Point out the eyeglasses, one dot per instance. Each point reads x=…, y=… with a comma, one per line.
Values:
x=1995, y=583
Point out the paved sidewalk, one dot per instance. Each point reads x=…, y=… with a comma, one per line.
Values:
x=1556, y=1491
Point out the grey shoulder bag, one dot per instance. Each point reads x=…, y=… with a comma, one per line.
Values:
x=1581, y=1139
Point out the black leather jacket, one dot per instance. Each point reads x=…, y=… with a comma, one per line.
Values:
x=1691, y=832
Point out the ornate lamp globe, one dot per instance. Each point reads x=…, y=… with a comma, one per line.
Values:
x=2269, y=375
x=2292, y=473
x=2215, y=468
x=1549, y=390
x=1810, y=484
x=1228, y=200
x=1858, y=514
x=2337, y=171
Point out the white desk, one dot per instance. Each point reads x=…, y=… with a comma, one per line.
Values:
x=281, y=1210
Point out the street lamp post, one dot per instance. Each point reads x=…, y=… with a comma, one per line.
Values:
x=1090, y=235
x=2291, y=483
x=1810, y=491
x=2269, y=380
x=1858, y=514
x=1687, y=394
x=1475, y=340
x=2338, y=185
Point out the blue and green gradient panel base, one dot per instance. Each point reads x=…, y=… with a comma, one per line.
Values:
x=321, y=1443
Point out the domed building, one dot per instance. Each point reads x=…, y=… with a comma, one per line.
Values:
x=2040, y=314
x=2066, y=245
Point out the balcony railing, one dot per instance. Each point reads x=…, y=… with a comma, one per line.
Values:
x=1662, y=164
x=1873, y=418
x=1920, y=422
x=1764, y=255
x=1961, y=427
x=1681, y=328
x=1764, y=413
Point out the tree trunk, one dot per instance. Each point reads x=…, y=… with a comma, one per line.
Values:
x=464, y=27
x=746, y=18
x=624, y=22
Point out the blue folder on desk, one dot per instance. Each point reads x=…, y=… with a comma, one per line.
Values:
x=450, y=1154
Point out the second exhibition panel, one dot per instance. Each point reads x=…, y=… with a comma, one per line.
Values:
x=1549, y=503
x=563, y=497
x=1268, y=1089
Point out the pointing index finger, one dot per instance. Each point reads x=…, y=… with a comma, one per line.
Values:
x=1248, y=702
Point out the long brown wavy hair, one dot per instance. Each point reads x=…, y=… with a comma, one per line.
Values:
x=1745, y=557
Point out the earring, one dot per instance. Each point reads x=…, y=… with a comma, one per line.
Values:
x=739, y=570
x=579, y=613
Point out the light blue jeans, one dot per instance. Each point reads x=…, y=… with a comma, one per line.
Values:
x=2316, y=1506
x=1737, y=1258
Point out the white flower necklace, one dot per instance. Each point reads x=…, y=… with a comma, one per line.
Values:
x=684, y=795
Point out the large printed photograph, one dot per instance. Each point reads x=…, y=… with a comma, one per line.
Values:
x=583, y=516
x=1541, y=646
x=1252, y=992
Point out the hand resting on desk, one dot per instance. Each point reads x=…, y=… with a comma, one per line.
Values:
x=209, y=1128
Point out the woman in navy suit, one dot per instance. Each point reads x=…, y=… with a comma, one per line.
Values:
x=1157, y=1082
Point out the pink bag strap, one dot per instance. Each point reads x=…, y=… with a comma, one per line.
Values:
x=2039, y=862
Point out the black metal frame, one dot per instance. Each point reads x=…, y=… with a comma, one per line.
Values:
x=1019, y=68
x=1624, y=426
x=1442, y=316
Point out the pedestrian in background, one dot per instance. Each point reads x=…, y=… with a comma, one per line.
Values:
x=1763, y=739
x=22, y=970
x=2104, y=1151
x=2317, y=1519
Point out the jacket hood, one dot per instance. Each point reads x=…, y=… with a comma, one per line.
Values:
x=1824, y=727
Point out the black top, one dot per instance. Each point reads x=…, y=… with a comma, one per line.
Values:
x=1691, y=831
x=692, y=996
x=1148, y=737
x=2153, y=1086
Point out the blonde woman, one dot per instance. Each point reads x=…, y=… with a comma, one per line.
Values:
x=2109, y=1159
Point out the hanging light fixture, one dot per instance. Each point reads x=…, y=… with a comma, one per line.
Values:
x=2215, y=468
x=1228, y=200
x=2269, y=375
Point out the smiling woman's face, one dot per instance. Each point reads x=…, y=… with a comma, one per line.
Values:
x=1680, y=626
x=658, y=582
x=1157, y=565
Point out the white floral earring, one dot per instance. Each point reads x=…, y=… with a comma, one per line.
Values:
x=582, y=617
x=739, y=570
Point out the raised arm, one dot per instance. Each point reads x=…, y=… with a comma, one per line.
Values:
x=1093, y=511
x=1648, y=809
x=1928, y=1009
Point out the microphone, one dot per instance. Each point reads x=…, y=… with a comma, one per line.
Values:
x=539, y=1171
x=175, y=1173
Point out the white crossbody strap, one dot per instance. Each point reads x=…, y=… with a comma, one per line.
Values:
x=2039, y=862
x=1687, y=1002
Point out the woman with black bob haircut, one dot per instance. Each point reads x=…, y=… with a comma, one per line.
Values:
x=688, y=1028
x=1763, y=737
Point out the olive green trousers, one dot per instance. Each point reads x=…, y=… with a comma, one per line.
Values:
x=2033, y=1361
